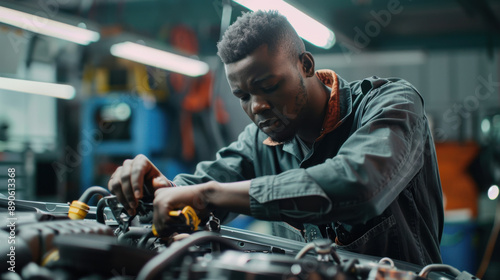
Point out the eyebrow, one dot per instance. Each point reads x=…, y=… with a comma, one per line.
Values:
x=261, y=79
x=255, y=81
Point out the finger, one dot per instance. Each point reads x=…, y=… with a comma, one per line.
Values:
x=160, y=182
x=115, y=186
x=112, y=183
x=152, y=178
x=127, y=186
x=160, y=211
x=140, y=166
x=180, y=236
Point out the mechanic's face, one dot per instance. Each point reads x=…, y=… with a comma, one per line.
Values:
x=271, y=90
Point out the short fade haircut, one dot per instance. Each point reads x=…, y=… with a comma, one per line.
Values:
x=251, y=30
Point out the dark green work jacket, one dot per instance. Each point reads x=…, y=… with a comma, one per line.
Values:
x=375, y=175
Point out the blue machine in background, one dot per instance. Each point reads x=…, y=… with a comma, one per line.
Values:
x=120, y=126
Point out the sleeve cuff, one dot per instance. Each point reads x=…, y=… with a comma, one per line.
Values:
x=268, y=211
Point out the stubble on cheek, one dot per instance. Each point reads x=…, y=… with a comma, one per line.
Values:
x=300, y=99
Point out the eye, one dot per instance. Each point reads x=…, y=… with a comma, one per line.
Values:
x=270, y=89
x=244, y=97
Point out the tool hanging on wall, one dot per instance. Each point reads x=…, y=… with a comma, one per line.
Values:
x=197, y=100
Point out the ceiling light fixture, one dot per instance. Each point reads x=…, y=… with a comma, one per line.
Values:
x=40, y=88
x=307, y=27
x=493, y=192
x=48, y=27
x=160, y=59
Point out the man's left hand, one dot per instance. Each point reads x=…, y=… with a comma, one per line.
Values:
x=176, y=198
x=204, y=198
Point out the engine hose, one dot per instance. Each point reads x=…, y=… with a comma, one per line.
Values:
x=100, y=211
x=132, y=234
x=152, y=268
x=90, y=192
x=144, y=239
x=78, y=209
x=438, y=267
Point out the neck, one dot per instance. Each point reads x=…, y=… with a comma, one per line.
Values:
x=319, y=94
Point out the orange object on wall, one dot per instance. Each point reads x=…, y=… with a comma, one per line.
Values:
x=459, y=187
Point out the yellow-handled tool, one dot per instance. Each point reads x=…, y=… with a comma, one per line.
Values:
x=189, y=221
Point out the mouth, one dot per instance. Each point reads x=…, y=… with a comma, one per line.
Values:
x=268, y=125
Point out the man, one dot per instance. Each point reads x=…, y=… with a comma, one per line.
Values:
x=354, y=162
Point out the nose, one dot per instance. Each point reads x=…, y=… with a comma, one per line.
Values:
x=259, y=104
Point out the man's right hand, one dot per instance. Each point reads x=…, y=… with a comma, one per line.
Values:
x=128, y=180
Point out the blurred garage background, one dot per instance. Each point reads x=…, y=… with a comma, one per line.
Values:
x=119, y=100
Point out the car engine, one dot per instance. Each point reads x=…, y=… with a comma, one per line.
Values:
x=42, y=242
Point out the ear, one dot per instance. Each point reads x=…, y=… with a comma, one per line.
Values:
x=307, y=63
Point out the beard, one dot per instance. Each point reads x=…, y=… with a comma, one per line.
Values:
x=290, y=121
x=285, y=137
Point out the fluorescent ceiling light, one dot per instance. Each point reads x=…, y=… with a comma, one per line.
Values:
x=48, y=89
x=47, y=26
x=160, y=59
x=307, y=27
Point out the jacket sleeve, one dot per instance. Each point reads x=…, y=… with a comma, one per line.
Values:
x=370, y=170
x=233, y=163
